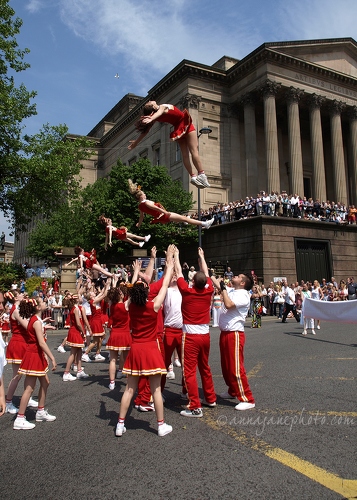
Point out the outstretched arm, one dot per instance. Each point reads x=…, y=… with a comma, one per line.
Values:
x=178, y=268
x=141, y=218
x=133, y=143
x=150, y=269
x=202, y=261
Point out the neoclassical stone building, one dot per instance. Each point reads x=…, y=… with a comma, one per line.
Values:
x=282, y=118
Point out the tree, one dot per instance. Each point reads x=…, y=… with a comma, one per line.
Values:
x=50, y=168
x=10, y=273
x=76, y=223
x=38, y=172
x=15, y=102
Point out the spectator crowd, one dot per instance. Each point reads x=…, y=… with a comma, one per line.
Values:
x=281, y=205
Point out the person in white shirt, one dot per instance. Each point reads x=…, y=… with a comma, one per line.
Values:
x=236, y=302
x=290, y=305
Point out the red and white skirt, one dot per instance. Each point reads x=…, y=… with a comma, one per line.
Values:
x=34, y=362
x=119, y=340
x=145, y=359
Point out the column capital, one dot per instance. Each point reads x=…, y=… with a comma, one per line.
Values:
x=316, y=101
x=190, y=101
x=293, y=95
x=336, y=107
x=270, y=88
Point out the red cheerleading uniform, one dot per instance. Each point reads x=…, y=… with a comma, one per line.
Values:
x=159, y=217
x=75, y=337
x=120, y=337
x=90, y=259
x=18, y=342
x=196, y=304
x=96, y=322
x=144, y=357
x=117, y=233
x=5, y=327
x=181, y=121
x=34, y=362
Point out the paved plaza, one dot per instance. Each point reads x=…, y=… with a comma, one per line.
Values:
x=299, y=442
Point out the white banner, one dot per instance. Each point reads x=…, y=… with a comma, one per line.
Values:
x=343, y=311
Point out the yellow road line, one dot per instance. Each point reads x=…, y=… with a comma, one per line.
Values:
x=345, y=487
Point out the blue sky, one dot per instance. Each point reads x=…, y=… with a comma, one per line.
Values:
x=78, y=46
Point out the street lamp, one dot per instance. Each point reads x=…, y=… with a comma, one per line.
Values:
x=203, y=130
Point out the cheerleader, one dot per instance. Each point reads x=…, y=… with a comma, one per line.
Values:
x=145, y=358
x=119, y=341
x=121, y=234
x=2, y=390
x=96, y=324
x=75, y=339
x=34, y=364
x=87, y=261
x=16, y=348
x=156, y=210
x=184, y=133
x=5, y=324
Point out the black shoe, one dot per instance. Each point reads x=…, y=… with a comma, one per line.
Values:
x=283, y=321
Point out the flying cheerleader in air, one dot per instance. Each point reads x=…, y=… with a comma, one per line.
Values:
x=86, y=261
x=120, y=233
x=184, y=133
x=156, y=210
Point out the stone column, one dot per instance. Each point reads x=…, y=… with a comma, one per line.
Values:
x=317, y=148
x=338, y=159
x=293, y=96
x=269, y=91
x=353, y=132
x=250, y=136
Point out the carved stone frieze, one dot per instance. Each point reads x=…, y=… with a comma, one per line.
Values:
x=190, y=101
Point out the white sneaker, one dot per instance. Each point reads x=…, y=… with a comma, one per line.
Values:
x=120, y=429
x=32, y=403
x=141, y=244
x=244, y=406
x=22, y=424
x=146, y=238
x=164, y=429
x=120, y=374
x=304, y=332
x=82, y=374
x=99, y=357
x=170, y=375
x=318, y=327
x=177, y=362
x=67, y=377
x=44, y=416
x=11, y=408
x=86, y=358
x=111, y=385
x=75, y=368
x=203, y=180
x=208, y=223
x=60, y=348
x=195, y=181
x=313, y=332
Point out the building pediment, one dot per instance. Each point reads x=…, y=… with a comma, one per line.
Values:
x=339, y=54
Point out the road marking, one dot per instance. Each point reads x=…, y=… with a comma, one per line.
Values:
x=345, y=487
